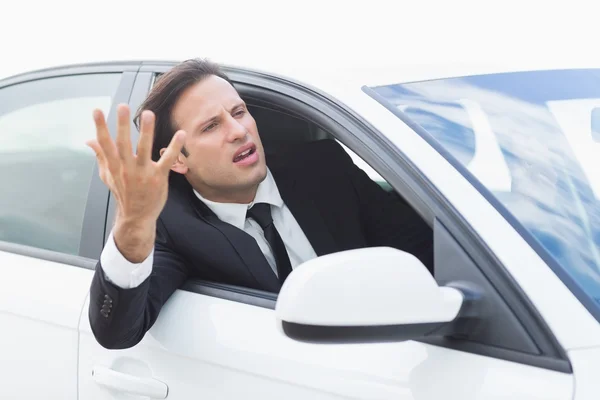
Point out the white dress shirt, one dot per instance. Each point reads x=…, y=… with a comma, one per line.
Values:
x=129, y=275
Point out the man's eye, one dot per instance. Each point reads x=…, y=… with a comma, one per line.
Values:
x=239, y=113
x=210, y=127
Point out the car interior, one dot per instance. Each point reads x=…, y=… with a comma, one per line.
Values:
x=280, y=129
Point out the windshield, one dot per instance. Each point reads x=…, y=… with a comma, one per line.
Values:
x=533, y=140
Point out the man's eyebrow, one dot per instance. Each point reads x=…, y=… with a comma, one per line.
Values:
x=241, y=103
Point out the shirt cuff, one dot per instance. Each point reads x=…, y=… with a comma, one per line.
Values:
x=118, y=270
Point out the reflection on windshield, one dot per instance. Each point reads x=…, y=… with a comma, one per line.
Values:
x=527, y=137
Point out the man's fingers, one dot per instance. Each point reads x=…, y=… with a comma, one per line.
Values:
x=124, y=133
x=172, y=152
x=109, y=150
x=93, y=144
x=144, y=148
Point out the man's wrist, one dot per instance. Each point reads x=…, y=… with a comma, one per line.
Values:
x=134, y=238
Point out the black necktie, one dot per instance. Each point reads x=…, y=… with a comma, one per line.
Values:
x=261, y=213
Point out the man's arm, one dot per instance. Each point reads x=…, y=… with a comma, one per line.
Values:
x=121, y=311
x=130, y=311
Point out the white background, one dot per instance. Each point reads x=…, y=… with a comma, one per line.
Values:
x=302, y=33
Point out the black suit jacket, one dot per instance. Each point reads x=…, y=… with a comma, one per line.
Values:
x=335, y=203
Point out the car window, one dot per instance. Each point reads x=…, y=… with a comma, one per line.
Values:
x=531, y=143
x=45, y=166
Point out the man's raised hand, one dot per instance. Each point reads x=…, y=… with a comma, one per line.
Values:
x=139, y=185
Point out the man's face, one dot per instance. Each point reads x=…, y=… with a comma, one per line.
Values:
x=226, y=159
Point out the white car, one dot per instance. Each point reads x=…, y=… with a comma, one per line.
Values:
x=503, y=164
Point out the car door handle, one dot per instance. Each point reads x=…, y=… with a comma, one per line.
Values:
x=131, y=384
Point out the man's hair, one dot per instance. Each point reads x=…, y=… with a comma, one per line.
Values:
x=165, y=93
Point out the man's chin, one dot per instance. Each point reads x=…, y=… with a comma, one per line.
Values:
x=261, y=174
x=252, y=176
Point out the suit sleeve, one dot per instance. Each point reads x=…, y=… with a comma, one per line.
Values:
x=387, y=219
x=120, y=317
x=118, y=270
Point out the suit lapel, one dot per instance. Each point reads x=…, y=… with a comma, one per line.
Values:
x=306, y=212
x=241, y=243
x=303, y=208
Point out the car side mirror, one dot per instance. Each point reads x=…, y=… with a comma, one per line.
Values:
x=372, y=294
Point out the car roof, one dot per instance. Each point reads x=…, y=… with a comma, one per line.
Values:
x=329, y=74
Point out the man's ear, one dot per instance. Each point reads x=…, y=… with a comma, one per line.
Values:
x=179, y=165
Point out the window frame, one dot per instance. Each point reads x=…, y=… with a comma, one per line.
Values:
x=378, y=151
x=94, y=219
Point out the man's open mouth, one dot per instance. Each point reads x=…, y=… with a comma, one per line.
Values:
x=244, y=154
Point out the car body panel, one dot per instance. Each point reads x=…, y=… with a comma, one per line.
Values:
x=216, y=348
x=40, y=308
x=585, y=367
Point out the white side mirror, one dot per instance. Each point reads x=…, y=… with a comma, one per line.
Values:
x=365, y=294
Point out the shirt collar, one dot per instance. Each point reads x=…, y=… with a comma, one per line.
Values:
x=235, y=213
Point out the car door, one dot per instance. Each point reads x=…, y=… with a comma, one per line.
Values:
x=223, y=342
x=51, y=223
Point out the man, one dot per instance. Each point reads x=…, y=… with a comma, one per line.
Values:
x=197, y=200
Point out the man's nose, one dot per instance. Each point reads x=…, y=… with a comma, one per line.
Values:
x=236, y=130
